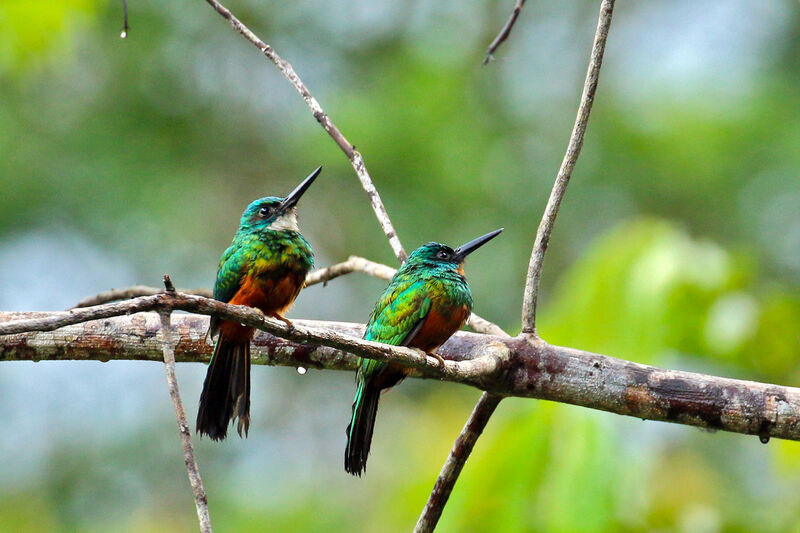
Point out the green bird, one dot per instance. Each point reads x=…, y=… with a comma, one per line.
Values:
x=426, y=302
x=265, y=267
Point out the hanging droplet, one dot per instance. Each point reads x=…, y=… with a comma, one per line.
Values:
x=124, y=34
x=302, y=370
x=764, y=438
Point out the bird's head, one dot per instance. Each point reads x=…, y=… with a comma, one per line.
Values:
x=438, y=255
x=275, y=213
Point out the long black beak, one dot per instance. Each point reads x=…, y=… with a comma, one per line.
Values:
x=298, y=191
x=465, y=249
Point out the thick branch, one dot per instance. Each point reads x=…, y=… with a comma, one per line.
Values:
x=505, y=31
x=455, y=462
x=565, y=172
x=468, y=371
x=200, y=500
x=352, y=154
x=520, y=366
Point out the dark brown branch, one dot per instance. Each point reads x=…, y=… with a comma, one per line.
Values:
x=565, y=171
x=455, y=462
x=168, y=347
x=324, y=120
x=504, y=32
x=520, y=366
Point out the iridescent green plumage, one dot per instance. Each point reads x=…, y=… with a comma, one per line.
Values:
x=426, y=302
x=264, y=267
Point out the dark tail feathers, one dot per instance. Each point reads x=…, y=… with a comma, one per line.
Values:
x=226, y=390
x=359, y=432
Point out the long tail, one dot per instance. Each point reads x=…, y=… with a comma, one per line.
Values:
x=359, y=432
x=226, y=390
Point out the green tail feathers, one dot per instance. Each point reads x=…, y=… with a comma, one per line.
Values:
x=359, y=432
x=226, y=390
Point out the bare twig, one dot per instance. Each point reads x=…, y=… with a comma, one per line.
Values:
x=200, y=500
x=462, y=448
x=521, y=366
x=353, y=264
x=352, y=154
x=565, y=172
x=504, y=32
x=134, y=291
x=455, y=462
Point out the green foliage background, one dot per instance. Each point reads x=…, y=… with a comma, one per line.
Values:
x=678, y=245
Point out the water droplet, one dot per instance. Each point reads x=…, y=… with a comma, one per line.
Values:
x=764, y=438
x=124, y=34
x=302, y=370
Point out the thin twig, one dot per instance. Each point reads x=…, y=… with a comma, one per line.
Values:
x=504, y=32
x=462, y=448
x=455, y=462
x=352, y=154
x=353, y=264
x=134, y=291
x=565, y=171
x=200, y=500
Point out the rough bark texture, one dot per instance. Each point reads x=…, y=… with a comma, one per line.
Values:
x=520, y=366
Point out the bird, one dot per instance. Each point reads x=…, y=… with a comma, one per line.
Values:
x=264, y=267
x=427, y=300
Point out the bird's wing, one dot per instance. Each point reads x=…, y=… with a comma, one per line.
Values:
x=229, y=274
x=229, y=278
x=398, y=316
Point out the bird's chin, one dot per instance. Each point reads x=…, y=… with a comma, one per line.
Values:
x=286, y=222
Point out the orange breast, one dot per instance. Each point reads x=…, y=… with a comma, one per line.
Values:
x=269, y=295
x=438, y=327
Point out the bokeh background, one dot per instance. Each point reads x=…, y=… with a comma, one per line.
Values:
x=678, y=245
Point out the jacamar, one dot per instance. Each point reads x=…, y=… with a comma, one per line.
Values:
x=265, y=267
x=426, y=302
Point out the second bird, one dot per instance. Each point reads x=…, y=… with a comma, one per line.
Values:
x=265, y=267
x=426, y=302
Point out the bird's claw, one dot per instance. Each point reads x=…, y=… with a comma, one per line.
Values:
x=438, y=358
x=284, y=320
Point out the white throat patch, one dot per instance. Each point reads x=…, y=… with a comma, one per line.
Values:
x=287, y=221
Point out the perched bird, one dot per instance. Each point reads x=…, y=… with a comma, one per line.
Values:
x=426, y=302
x=265, y=267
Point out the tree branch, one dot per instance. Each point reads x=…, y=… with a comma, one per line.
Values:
x=521, y=366
x=472, y=370
x=455, y=462
x=134, y=291
x=353, y=264
x=565, y=171
x=505, y=31
x=324, y=120
x=200, y=500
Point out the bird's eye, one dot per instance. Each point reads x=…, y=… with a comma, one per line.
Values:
x=442, y=255
x=264, y=211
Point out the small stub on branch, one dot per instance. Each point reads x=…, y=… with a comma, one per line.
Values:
x=168, y=286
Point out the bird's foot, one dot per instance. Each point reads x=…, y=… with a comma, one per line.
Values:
x=438, y=358
x=284, y=320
